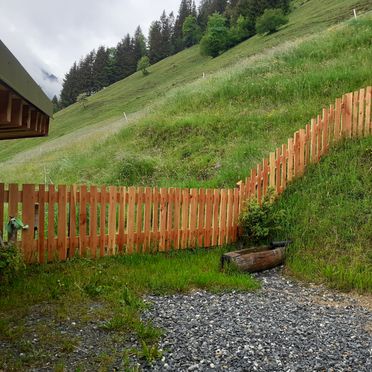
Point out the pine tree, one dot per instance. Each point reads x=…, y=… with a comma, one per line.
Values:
x=125, y=62
x=155, y=42
x=55, y=104
x=70, y=87
x=100, y=76
x=167, y=24
x=191, y=31
x=139, y=44
x=85, y=74
x=110, y=68
x=187, y=8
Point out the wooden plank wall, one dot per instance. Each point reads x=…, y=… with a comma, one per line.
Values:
x=67, y=221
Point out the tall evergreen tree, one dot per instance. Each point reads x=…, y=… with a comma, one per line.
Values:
x=100, y=72
x=125, y=63
x=110, y=68
x=155, y=42
x=139, y=44
x=191, y=31
x=187, y=8
x=167, y=24
x=55, y=103
x=85, y=73
x=70, y=87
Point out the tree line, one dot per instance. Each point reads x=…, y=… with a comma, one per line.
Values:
x=217, y=24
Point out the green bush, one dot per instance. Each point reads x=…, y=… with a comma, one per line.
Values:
x=260, y=223
x=270, y=21
x=217, y=37
x=11, y=262
x=143, y=65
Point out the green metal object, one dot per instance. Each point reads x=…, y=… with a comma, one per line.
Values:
x=15, y=224
x=18, y=79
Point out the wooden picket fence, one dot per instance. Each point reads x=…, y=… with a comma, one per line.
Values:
x=69, y=221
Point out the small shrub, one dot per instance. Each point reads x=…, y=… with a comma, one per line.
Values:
x=143, y=65
x=261, y=223
x=11, y=262
x=270, y=21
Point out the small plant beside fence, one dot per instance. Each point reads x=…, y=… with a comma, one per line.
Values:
x=68, y=221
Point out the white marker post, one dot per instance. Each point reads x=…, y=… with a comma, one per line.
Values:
x=355, y=16
x=125, y=115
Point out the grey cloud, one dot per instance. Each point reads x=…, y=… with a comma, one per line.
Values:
x=49, y=35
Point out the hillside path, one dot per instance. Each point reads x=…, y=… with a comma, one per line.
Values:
x=285, y=326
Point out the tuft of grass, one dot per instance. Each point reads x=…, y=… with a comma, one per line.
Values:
x=329, y=218
x=117, y=283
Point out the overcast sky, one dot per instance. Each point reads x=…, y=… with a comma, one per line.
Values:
x=50, y=35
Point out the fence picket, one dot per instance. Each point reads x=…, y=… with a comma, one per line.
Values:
x=83, y=221
x=28, y=215
x=216, y=217
x=177, y=218
x=325, y=131
x=93, y=221
x=338, y=114
x=51, y=239
x=201, y=218
x=368, y=121
x=72, y=223
x=355, y=115
x=102, y=222
x=359, y=112
x=121, y=225
x=163, y=218
x=185, y=217
x=62, y=222
x=40, y=224
x=208, y=218
x=131, y=219
x=230, y=211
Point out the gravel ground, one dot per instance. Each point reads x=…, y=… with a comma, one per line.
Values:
x=285, y=326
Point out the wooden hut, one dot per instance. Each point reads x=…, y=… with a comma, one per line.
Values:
x=25, y=110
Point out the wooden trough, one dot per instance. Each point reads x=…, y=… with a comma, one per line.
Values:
x=256, y=258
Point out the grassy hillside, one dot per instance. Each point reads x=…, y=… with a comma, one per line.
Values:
x=329, y=217
x=211, y=132
x=137, y=94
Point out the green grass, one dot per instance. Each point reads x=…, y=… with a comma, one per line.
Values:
x=66, y=292
x=329, y=218
x=211, y=132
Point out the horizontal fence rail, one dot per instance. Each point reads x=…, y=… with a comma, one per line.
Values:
x=69, y=221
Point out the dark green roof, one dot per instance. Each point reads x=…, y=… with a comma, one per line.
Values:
x=18, y=79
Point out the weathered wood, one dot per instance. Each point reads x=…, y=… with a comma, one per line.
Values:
x=254, y=259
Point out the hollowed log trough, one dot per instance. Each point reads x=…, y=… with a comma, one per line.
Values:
x=256, y=258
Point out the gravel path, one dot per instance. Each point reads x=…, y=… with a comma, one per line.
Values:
x=283, y=327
